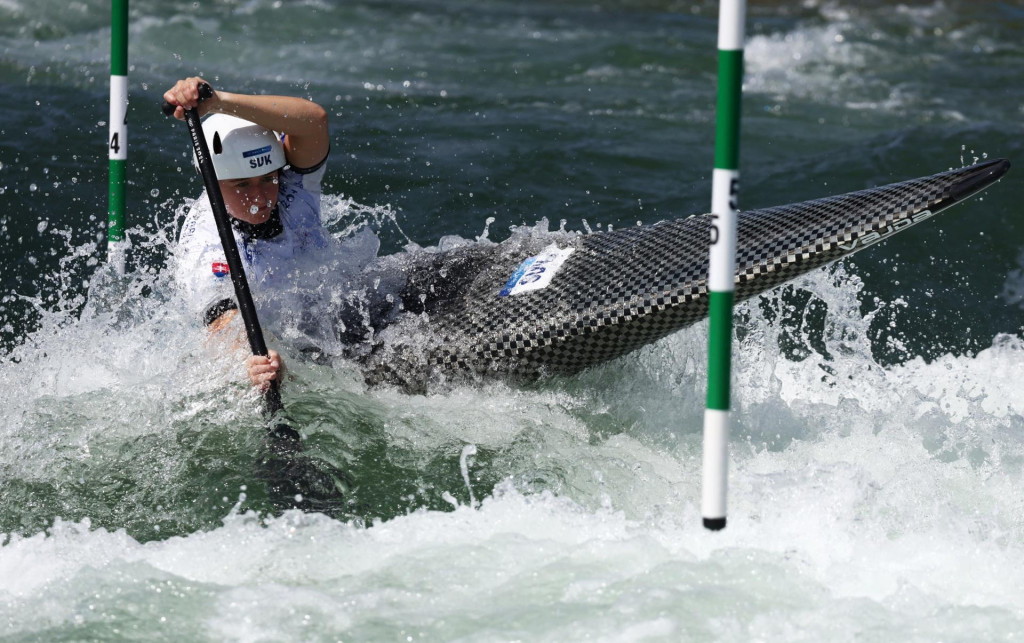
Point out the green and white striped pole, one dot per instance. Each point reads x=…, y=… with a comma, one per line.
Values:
x=117, y=143
x=725, y=183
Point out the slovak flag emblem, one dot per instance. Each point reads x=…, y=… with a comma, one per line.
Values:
x=220, y=268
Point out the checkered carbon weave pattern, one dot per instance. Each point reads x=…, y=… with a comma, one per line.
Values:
x=623, y=289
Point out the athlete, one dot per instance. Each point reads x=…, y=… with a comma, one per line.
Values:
x=269, y=153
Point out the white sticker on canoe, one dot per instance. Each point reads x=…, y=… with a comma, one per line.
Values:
x=536, y=272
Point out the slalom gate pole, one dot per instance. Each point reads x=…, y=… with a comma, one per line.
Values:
x=725, y=184
x=117, y=142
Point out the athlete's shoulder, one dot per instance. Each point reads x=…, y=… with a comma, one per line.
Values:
x=305, y=178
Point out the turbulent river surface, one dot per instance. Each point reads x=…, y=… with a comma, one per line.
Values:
x=877, y=456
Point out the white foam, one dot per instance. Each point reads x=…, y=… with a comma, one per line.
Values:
x=814, y=61
x=857, y=531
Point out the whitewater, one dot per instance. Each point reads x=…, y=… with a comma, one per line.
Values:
x=878, y=450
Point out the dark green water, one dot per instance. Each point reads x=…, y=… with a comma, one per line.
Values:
x=880, y=429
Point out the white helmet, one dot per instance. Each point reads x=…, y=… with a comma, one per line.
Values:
x=241, y=149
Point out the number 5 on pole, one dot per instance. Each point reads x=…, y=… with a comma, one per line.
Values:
x=722, y=238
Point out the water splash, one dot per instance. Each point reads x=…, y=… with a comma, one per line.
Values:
x=467, y=451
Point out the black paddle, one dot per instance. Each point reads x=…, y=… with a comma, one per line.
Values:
x=283, y=439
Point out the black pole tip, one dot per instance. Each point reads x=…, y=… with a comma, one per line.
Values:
x=714, y=524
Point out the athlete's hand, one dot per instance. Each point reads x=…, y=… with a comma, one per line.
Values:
x=185, y=95
x=264, y=370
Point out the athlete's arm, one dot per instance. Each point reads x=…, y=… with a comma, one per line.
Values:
x=303, y=122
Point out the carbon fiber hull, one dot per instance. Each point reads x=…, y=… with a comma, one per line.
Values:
x=616, y=291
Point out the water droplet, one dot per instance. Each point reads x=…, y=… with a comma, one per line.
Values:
x=253, y=209
x=42, y=226
x=33, y=187
x=154, y=192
